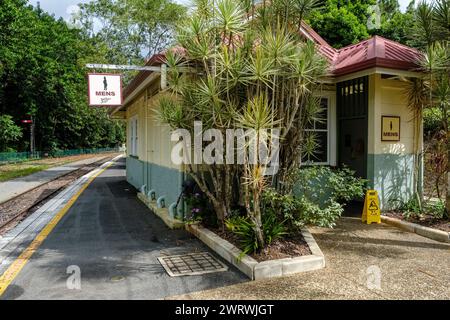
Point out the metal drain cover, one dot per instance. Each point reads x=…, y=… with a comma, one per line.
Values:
x=191, y=264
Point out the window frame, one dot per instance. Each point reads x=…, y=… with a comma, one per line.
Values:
x=134, y=137
x=330, y=96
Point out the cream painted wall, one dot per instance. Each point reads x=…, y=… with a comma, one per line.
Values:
x=136, y=109
x=387, y=97
x=154, y=145
x=159, y=145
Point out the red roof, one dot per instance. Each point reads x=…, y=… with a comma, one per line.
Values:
x=374, y=52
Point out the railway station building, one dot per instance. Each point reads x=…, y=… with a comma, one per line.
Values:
x=369, y=126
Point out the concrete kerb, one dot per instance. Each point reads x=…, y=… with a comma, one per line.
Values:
x=434, y=234
x=27, y=230
x=261, y=270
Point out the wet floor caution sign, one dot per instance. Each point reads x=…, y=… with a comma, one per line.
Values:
x=371, y=211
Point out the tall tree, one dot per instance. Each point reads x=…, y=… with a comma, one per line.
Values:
x=132, y=29
x=343, y=22
x=42, y=74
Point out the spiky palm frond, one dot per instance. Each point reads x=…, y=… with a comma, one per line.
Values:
x=229, y=66
x=417, y=93
x=258, y=115
x=309, y=146
x=203, y=8
x=259, y=69
x=230, y=17
x=441, y=17
x=424, y=32
x=175, y=66
x=308, y=66
x=312, y=111
x=171, y=112
x=436, y=58
x=278, y=47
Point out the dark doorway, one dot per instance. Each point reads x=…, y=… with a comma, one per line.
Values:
x=352, y=108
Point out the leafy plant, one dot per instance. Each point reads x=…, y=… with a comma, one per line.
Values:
x=245, y=74
x=411, y=208
x=199, y=209
x=320, y=184
x=436, y=209
x=9, y=131
x=244, y=228
x=319, y=198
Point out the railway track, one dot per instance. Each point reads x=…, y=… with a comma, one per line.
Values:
x=13, y=211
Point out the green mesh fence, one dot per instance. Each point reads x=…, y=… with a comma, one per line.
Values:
x=7, y=157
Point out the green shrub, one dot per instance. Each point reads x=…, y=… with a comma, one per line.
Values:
x=243, y=228
x=410, y=208
x=320, y=196
x=432, y=120
x=436, y=209
x=318, y=215
x=322, y=184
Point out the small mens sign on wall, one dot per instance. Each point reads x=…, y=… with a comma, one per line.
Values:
x=390, y=128
x=105, y=89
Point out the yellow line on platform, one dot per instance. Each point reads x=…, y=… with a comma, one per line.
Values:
x=14, y=269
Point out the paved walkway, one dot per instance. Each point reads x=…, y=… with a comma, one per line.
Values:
x=11, y=188
x=114, y=240
x=411, y=266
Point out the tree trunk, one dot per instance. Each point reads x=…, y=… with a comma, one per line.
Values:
x=258, y=221
x=447, y=198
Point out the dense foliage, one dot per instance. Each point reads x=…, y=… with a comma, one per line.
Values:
x=345, y=22
x=132, y=29
x=42, y=75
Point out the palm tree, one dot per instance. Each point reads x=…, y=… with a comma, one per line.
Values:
x=250, y=69
x=432, y=33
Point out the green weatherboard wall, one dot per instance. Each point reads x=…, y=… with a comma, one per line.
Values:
x=392, y=176
x=165, y=181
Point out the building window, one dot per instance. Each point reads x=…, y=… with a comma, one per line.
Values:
x=134, y=136
x=321, y=130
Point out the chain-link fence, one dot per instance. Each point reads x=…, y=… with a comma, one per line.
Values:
x=8, y=157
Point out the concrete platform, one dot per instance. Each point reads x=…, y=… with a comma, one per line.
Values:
x=114, y=240
x=11, y=188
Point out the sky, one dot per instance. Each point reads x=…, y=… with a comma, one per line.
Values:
x=64, y=8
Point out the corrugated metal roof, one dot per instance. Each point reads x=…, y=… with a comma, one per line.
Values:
x=374, y=52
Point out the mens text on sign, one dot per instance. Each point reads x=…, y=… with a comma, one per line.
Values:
x=105, y=89
x=371, y=211
x=390, y=128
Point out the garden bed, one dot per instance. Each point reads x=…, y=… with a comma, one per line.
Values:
x=288, y=247
x=426, y=221
x=295, y=254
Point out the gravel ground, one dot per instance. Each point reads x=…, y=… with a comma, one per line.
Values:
x=410, y=267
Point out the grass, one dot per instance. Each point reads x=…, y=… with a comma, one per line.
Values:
x=9, y=172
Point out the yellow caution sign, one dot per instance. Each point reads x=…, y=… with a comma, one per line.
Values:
x=371, y=211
